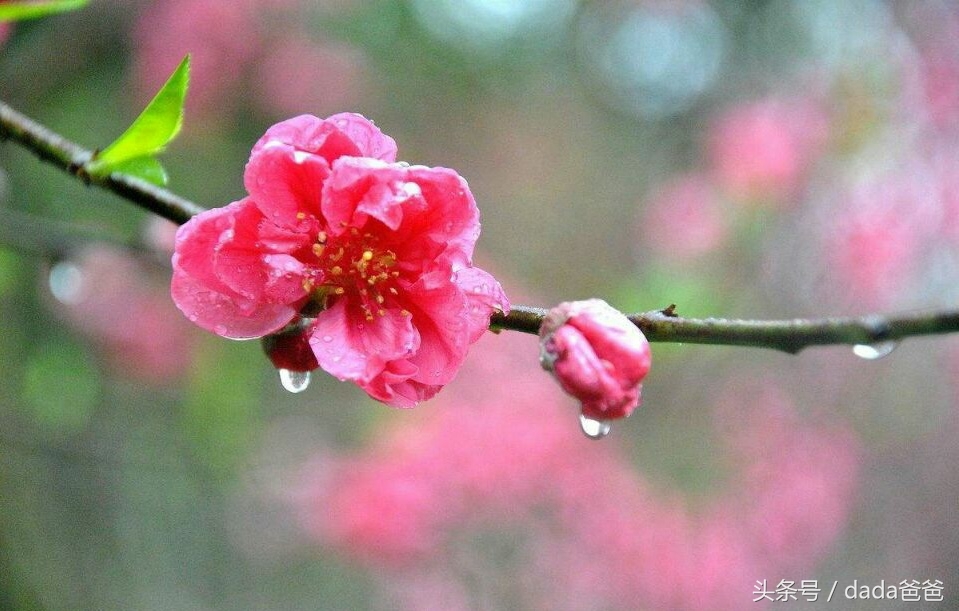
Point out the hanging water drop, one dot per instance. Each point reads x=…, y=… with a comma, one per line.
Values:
x=871, y=352
x=594, y=429
x=294, y=381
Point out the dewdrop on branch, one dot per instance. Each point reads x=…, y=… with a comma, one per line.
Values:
x=599, y=357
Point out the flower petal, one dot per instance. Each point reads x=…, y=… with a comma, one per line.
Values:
x=439, y=311
x=484, y=294
x=350, y=347
x=247, y=266
x=286, y=185
x=225, y=314
x=201, y=294
x=342, y=134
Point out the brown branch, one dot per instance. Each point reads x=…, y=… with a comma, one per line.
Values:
x=659, y=325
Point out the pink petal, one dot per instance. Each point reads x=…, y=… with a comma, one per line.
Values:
x=226, y=314
x=451, y=215
x=350, y=347
x=367, y=137
x=342, y=134
x=395, y=387
x=197, y=239
x=484, y=294
x=243, y=263
x=201, y=294
x=286, y=185
x=360, y=188
x=440, y=313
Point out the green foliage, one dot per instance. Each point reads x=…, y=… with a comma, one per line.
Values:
x=221, y=411
x=60, y=387
x=134, y=151
x=16, y=11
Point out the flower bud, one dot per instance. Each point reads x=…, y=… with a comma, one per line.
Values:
x=597, y=355
x=289, y=348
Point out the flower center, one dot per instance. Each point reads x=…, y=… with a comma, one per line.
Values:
x=353, y=265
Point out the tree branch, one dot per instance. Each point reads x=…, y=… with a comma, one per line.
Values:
x=789, y=336
x=664, y=325
x=73, y=159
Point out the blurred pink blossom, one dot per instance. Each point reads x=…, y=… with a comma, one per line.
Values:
x=876, y=237
x=297, y=74
x=113, y=302
x=683, y=218
x=941, y=84
x=588, y=530
x=235, y=51
x=761, y=151
x=222, y=37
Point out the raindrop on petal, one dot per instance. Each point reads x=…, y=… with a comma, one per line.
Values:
x=294, y=381
x=594, y=429
x=871, y=352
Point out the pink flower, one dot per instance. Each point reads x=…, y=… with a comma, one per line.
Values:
x=379, y=252
x=597, y=355
x=110, y=298
x=684, y=218
x=762, y=150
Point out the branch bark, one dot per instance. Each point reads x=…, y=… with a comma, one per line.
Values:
x=664, y=325
x=73, y=159
x=789, y=336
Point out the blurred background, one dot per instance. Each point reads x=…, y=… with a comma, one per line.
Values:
x=739, y=158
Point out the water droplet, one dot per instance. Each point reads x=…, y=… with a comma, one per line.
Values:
x=871, y=352
x=327, y=338
x=594, y=429
x=66, y=282
x=220, y=329
x=294, y=381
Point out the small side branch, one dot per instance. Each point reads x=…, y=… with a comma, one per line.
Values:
x=73, y=159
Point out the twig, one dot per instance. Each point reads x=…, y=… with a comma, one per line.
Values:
x=73, y=159
x=658, y=325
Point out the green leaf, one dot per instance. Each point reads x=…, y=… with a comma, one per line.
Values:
x=15, y=11
x=149, y=134
x=148, y=168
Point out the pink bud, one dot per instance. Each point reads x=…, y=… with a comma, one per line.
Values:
x=597, y=355
x=290, y=348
